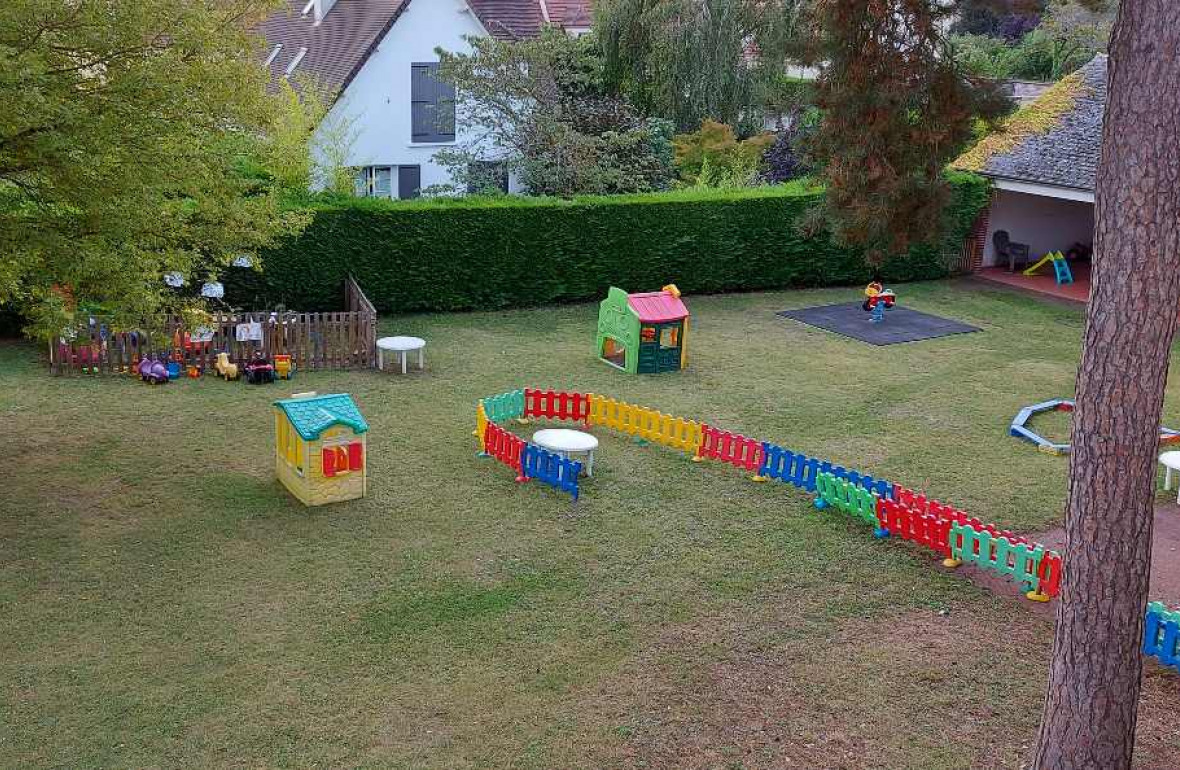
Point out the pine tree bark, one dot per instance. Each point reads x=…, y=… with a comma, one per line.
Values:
x=1092, y=698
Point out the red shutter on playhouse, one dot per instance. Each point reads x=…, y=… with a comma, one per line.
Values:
x=329, y=455
x=356, y=456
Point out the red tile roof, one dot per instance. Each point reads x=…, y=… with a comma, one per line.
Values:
x=570, y=13
x=509, y=19
x=337, y=47
x=656, y=307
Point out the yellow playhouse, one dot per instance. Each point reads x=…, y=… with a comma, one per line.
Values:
x=320, y=449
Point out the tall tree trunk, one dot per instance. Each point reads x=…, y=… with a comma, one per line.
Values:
x=1094, y=677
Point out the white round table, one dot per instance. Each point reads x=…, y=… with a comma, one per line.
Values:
x=402, y=346
x=1171, y=462
x=565, y=442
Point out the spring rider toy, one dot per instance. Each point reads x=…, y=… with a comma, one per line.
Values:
x=878, y=299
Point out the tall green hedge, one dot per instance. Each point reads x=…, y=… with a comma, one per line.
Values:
x=482, y=254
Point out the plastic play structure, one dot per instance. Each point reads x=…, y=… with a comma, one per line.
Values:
x=891, y=509
x=284, y=368
x=226, y=370
x=1019, y=427
x=1060, y=264
x=259, y=370
x=320, y=448
x=643, y=333
x=878, y=299
x=153, y=371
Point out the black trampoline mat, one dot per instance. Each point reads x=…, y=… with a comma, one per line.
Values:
x=900, y=325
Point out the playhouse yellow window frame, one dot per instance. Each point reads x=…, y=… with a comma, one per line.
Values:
x=289, y=445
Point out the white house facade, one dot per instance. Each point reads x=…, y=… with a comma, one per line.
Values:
x=379, y=57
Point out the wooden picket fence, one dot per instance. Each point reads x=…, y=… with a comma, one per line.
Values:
x=315, y=341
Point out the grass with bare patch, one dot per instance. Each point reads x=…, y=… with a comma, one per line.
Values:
x=166, y=604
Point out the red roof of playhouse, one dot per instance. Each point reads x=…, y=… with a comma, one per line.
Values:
x=656, y=307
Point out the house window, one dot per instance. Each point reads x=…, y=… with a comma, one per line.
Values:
x=487, y=175
x=432, y=105
x=378, y=181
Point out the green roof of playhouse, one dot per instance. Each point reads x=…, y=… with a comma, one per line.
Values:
x=312, y=415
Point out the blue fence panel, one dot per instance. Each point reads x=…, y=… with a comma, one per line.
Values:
x=776, y=462
x=1161, y=635
x=552, y=469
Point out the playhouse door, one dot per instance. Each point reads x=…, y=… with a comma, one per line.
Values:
x=669, y=357
x=649, y=350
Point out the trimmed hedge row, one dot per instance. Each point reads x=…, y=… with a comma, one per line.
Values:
x=469, y=255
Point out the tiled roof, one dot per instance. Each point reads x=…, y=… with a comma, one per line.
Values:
x=349, y=32
x=312, y=415
x=655, y=307
x=570, y=13
x=509, y=19
x=1066, y=155
x=337, y=46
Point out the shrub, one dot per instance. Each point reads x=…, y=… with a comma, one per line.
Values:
x=476, y=254
x=712, y=156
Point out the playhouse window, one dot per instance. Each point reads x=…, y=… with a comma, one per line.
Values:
x=647, y=334
x=614, y=352
x=669, y=337
x=342, y=459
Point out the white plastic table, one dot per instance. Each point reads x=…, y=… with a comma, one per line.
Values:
x=565, y=442
x=402, y=346
x=1171, y=462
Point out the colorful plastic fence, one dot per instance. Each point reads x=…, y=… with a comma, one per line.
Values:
x=1161, y=634
x=891, y=509
x=552, y=469
x=733, y=448
x=505, y=406
x=556, y=404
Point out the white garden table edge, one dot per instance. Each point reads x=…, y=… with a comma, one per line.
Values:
x=402, y=346
x=1171, y=462
x=565, y=441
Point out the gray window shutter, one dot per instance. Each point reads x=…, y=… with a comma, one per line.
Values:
x=432, y=105
x=409, y=181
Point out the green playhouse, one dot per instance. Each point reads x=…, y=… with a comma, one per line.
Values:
x=643, y=333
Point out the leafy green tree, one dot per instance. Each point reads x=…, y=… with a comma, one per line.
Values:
x=895, y=109
x=545, y=114
x=1075, y=31
x=125, y=132
x=691, y=60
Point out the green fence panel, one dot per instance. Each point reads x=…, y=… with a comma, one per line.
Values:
x=504, y=406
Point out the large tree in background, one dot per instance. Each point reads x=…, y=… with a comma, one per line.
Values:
x=691, y=60
x=1094, y=678
x=895, y=109
x=124, y=132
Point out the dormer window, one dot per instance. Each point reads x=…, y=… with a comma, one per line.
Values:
x=274, y=54
x=295, y=62
x=321, y=8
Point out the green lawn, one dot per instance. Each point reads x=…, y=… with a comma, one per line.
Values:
x=165, y=604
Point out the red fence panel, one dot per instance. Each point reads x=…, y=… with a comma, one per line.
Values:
x=556, y=405
x=733, y=448
x=504, y=446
